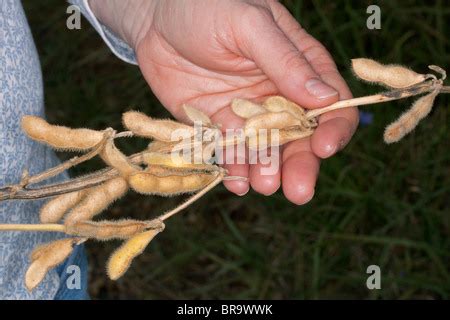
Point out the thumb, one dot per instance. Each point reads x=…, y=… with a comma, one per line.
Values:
x=267, y=45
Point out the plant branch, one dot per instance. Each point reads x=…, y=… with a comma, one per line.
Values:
x=194, y=198
x=375, y=99
x=17, y=192
x=33, y=227
x=20, y=191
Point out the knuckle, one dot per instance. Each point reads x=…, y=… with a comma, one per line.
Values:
x=256, y=15
x=293, y=60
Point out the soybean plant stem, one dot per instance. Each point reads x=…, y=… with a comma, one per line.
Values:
x=377, y=98
x=194, y=198
x=33, y=227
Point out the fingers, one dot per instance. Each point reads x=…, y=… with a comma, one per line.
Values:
x=229, y=120
x=336, y=128
x=265, y=175
x=262, y=40
x=299, y=173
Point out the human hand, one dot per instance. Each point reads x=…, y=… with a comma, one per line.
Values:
x=206, y=53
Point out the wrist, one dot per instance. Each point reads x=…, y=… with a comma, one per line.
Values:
x=129, y=19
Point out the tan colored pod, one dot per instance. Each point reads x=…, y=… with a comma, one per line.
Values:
x=246, y=109
x=149, y=183
x=46, y=257
x=271, y=120
x=97, y=200
x=163, y=130
x=393, y=76
x=266, y=140
x=54, y=210
x=197, y=116
x=280, y=104
x=116, y=159
x=121, y=259
x=157, y=146
x=107, y=230
x=60, y=137
x=173, y=161
x=409, y=120
x=294, y=134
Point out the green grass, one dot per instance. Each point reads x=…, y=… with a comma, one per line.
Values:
x=374, y=204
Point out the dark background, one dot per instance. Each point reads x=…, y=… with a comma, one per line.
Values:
x=374, y=204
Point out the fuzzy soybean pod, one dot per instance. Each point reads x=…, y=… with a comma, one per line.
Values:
x=97, y=200
x=169, y=184
x=157, y=146
x=197, y=116
x=281, y=104
x=121, y=259
x=409, y=120
x=60, y=137
x=259, y=129
x=116, y=159
x=293, y=134
x=54, y=210
x=163, y=130
x=393, y=76
x=173, y=161
x=46, y=257
x=271, y=120
x=246, y=109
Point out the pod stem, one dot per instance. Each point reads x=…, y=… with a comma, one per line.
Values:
x=33, y=227
x=194, y=198
x=383, y=97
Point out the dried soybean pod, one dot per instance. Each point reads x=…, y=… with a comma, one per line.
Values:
x=54, y=210
x=148, y=183
x=280, y=104
x=271, y=120
x=410, y=119
x=107, y=230
x=121, y=259
x=144, y=126
x=46, y=257
x=393, y=76
x=157, y=146
x=196, y=115
x=60, y=137
x=98, y=199
x=294, y=134
x=116, y=159
x=173, y=160
x=246, y=109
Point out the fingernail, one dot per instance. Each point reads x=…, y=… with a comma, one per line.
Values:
x=319, y=89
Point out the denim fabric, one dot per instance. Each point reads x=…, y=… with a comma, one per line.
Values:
x=21, y=93
x=70, y=288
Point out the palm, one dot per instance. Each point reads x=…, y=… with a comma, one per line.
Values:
x=176, y=80
x=221, y=50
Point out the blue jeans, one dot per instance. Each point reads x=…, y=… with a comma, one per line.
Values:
x=78, y=259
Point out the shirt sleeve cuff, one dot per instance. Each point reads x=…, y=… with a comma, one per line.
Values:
x=119, y=47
